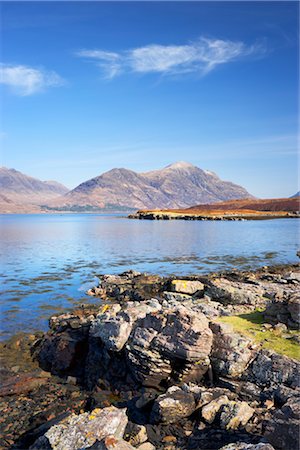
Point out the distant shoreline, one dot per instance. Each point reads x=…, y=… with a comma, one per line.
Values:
x=212, y=215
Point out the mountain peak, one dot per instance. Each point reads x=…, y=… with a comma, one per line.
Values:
x=180, y=165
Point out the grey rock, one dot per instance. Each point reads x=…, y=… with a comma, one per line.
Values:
x=235, y=415
x=235, y=292
x=81, y=431
x=114, y=331
x=231, y=352
x=210, y=410
x=172, y=406
x=271, y=369
x=180, y=335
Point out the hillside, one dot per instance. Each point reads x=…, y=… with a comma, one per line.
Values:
x=274, y=204
x=22, y=193
x=178, y=185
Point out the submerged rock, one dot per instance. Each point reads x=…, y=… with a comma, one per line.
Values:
x=78, y=432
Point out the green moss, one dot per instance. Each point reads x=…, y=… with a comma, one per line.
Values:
x=251, y=325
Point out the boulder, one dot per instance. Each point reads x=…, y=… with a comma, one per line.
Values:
x=77, y=432
x=172, y=406
x=282, y=430
x=210, y=410
x=235, y=415
x=231, y=352
x=187, y=287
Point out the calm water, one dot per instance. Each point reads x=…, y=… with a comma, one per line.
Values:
x=48, y=261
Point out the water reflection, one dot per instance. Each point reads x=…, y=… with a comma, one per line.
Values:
x=46, y=259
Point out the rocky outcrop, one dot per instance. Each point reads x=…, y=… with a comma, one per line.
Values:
x=82, y=431
x=231, y=352
x=235, y=292
x=269, y=369
x=171, y=344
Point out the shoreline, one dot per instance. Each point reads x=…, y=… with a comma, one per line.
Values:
x=212, y=215
x=236, y=320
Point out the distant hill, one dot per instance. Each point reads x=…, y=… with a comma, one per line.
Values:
x=22, y=193
x=273, y=204
x=178, y=185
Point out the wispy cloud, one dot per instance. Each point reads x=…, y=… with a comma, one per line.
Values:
x=200, y=56
x=25, y=80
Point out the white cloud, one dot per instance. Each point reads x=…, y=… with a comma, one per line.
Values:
x=200, y=57
x=25, y=80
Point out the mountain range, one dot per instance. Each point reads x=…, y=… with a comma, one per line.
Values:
x=179, y=185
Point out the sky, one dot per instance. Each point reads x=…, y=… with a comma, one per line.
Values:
x=89, y=86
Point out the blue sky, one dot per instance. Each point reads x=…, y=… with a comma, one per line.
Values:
x=88, y=86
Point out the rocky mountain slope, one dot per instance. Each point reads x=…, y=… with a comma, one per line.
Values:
x=178, y=185
x=22, y=193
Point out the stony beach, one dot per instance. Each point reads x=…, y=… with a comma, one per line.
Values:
x=196, y=362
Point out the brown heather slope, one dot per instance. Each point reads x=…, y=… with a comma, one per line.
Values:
x=273, y=204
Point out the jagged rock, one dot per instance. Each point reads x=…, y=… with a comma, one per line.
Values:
x=177, y=336
x=294, y=308
x=172, y=406
x=77, y=432
x=187, y=286
x=245, y=446
x=210, y=410
x=235, y=292
x=235, y=414
x=231, y=352
x=271, y=369
x=245, y=389
x=113, y=331
x=283, y=429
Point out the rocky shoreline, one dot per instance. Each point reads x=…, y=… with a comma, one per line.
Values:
x=213, y=215
x=200, y=362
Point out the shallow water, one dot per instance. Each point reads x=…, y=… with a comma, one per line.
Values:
x=48, y=261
